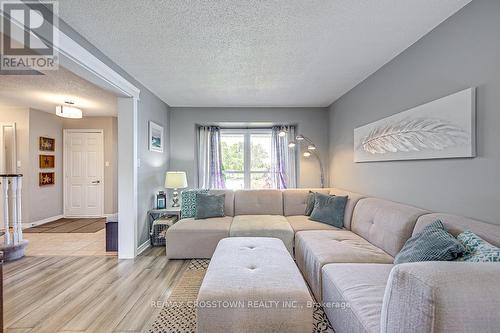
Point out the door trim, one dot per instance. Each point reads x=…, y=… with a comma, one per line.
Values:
x=66, y=132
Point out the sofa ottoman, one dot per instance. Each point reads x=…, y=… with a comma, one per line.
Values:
x=253, y=285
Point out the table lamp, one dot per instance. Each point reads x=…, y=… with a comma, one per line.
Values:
x=175, y=180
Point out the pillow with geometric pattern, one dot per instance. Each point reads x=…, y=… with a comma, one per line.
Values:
x=433, y=243
x=477, y=249
x=188, y=202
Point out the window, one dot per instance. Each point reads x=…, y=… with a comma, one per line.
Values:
x=246, y=158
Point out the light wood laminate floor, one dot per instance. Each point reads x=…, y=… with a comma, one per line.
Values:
x=67, y=244
x=87, y=294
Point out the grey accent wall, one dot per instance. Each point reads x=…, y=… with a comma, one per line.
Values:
x=312, y=122
x=153, y=165
x=150, y=107
x=464, y=51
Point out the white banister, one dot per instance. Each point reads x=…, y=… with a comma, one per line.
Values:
x=14, y=245
x=13, y=191
x=5, y=202
x=18, y=209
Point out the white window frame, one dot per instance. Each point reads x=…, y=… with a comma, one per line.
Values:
x=247, y=151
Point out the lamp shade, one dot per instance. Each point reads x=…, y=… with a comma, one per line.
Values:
x=175, y=179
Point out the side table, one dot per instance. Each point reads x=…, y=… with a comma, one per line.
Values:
x=156, y=214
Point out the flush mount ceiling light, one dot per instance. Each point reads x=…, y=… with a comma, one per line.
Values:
x=68, y=111
x=291, y=144
x=307, y=154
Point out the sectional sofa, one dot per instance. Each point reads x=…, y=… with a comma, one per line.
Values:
x=351, y=270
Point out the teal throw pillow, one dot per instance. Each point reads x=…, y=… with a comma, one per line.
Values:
x=477, y=249
x=433, y=243
x=209, y=205
x=329, y=209
x=188, y=202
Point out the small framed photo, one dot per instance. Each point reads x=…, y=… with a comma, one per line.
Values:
x=47, y=161
x=155, y=137
x=46, y=178
x=47, y=144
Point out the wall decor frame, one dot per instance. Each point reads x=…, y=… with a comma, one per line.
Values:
x=46, y=178
x=47, y=161
x=444, y=128
x=156, y=138
x=47, y=144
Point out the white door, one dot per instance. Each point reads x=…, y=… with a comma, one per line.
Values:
x=84, y=173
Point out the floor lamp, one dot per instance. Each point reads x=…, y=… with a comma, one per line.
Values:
x=310, y=151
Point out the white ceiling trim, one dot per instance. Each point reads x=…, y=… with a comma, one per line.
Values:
x=88, y=66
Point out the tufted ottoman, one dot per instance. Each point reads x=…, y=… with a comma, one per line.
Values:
x=253, y=285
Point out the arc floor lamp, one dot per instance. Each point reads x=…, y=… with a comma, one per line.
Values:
x=310, y=150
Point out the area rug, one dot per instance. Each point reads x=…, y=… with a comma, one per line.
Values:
x=64, y=225
x=178, y=316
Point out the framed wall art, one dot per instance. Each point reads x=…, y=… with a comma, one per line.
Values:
x=47, y=161
x=46, y=178
x=155, y=137
x=47, y=144
x=444, y=128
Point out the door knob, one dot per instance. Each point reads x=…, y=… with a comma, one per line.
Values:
x=96, y=182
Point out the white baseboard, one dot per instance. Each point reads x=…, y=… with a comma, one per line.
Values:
x=111, y=217
x=40, y=222
x=143, y=247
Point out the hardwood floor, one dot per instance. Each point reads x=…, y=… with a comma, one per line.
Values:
x=87, y=294
x=71, y=244
x=66, y=225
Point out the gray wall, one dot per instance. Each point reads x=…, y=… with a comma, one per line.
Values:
x=45, y=201
x=312, y=122
x=462, y=52
x=150, y=107
x=153, y=165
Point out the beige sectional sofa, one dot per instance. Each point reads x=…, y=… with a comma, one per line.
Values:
x=354, y=266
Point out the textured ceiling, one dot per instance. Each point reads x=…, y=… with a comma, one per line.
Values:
x=45, y=92
x=253, y=53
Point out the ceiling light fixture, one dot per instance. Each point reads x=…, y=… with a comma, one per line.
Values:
x=311, y=147
x=291, y=144
x=282, y=132
x=69, y=111
x=307, y=154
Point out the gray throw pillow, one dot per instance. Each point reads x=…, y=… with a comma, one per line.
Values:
x=433, y=243
x=329, y=209
x=309, y=203
x=209, y=205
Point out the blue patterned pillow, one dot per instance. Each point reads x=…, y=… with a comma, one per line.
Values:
x=188, y=202
x=477, y=249
x=433, y=243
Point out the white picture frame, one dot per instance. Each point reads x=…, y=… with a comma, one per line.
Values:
x=443, y=128
x=156, y=137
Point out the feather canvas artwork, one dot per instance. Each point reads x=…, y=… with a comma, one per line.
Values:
x=444, y=128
